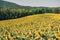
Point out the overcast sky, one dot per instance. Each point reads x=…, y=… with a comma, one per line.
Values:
x=46, y=3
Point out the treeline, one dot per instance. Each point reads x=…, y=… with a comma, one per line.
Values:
x=11, y=13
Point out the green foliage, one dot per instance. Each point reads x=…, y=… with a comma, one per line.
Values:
x=7, y=13
x=11, y=13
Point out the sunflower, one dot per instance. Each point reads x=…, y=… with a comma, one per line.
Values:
x=49, y=38
x=57, y=36
x=37, y=33
x=42, y=31
x=29, y=35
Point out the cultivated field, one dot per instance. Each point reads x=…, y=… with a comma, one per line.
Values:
x=34, y=27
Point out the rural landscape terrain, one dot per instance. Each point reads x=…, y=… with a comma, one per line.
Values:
x=29, y=23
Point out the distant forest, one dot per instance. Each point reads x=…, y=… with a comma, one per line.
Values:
x=11, y=13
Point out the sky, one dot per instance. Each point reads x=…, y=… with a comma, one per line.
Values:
x=37, y=3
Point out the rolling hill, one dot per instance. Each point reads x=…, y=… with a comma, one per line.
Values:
x=14, y=5
x=11, y=5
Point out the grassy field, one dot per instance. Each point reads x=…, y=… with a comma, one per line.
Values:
x=34, y=27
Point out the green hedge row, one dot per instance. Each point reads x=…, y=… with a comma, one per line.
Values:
x=8, y=13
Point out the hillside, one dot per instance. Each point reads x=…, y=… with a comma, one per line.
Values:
x=6, y=4
x=14, y=5
x=46, y=24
